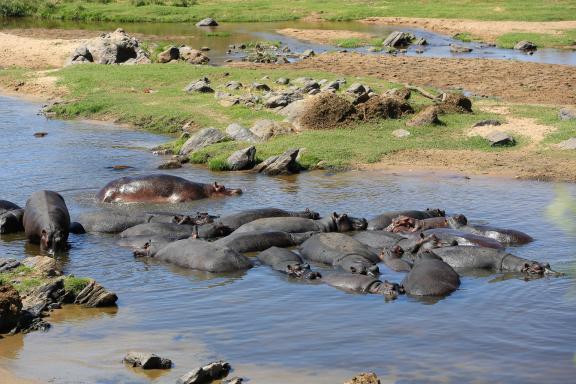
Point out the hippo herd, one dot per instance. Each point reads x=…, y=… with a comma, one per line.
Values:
x=430, y=247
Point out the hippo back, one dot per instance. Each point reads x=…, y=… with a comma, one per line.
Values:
x=6, y=205
x=282, y=224
x=382, y=221
x=236, y=220
x=350, y=282
x=431, y=277
x=159, y=229
x=109, y=221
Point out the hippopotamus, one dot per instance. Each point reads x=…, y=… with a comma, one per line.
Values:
x=392, y=257
x=203, y=256
x=288, y=262
x=341, y=251
x=12, y=221
x=333, y=223
x=409, y=224
x=109, y=221
x=77, y=228
x=363, y=284
x=463, y=238
x=47, y=221
x=258, y=241
x=6, y=206
x=379, y=240
x=147, y=246
x=159, y=189
x=430, y=276
x=199, y=218
x=207, y=231
x=502, y=235
x=236, y=220
x=382, y=221
x=492, y=259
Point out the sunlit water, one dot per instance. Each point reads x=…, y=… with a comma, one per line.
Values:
x=494, y=329
x=236, y=33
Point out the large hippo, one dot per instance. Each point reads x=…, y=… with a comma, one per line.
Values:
x=502, y=235
x=491, y=259
x=147, y=246
x=392, y=257
x=47, y=221
x=110, y=221
x=410, y=243
x=341, y=251
x=409, y=224
x=199, y=218
x=385, y=219
x=203, y=256
x=261, y=240
x=463, y=238
x=430, y=276
x=207, y=231
x=6, y=206
x=363, y=284
x=12, y=221
x=236, y=220
x=159, y=189
x=288, y=262
x=333, y=223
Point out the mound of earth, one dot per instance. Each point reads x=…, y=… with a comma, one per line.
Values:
x=456, y=102
x=325, y=110
x=382, y=107
x=10, y=307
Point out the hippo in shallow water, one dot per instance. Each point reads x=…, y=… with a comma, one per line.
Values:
x=363, y=284
x=392, y=257
x=258, y=241
x=491, y=259
x=341, y=251
x=109, y=221
x=502, y=235
x=288, y=262
x=6, y=206
x=430, y=276
x=203, y=256
x=236, y=220
x=408, y=224
x=47, y=221
x=382, y=221
x=333, y=223
x=199, y=218
x=147, y=246
x=463, y=238
x=12, y=221
x=159, y=189
x=379, y=240
x=207, y=231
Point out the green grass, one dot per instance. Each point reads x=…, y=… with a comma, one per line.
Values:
x=464, y=36
x=352, y=42
x=269, y=10
x=75, y=284
x=217, y=34
x=565, y=129
x=19, y=279
x=566, y=38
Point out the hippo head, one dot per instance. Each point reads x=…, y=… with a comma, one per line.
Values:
x=308, y=213
x=301, y=271
x=535, y=269
x=220, y=190
x=395, y=252
x=457, y=221
x=360, y=269
x=436, y=212
x=345, y=223
x=144, y=251
x=402, y=224
x=200, y=218
x=53, y=241
x=388, y=289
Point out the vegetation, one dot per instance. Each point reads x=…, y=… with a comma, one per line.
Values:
x=74, y=284
x=464, y=36
x=563, y=39
x=25, y=278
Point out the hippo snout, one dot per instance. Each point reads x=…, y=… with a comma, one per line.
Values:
x=359, y=224
x=234, y=191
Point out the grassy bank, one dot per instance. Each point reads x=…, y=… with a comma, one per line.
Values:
x=268, y=10
x=560, y=40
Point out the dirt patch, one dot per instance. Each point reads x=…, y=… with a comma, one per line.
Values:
x=323, y=36
x=381, y=107
x=485, y=30
x=38, y=86
x=510, y=80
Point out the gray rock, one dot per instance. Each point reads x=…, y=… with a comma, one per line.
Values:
x=331, y=85
x=397, y=39
x=283, y=81
x=146, y=360
x=484, y=123
x=168, y=55
x=400, y=133
x=356, y=89
x=207, y=22
x=307, y=53
x=459, y=49
x=200, y=86
x=567, y=113
x=234, y=85
x=568, y=144
x=242, y=159
x=428, y=116
x=525, y=45
x=420, y=41
x=206, y=374
x=240, y=133
x=260, y=87
x=281, y=99
x=499, y=138
x=172, y=164
x=284, y=164
x=204, y=138
x=401, y=93
x=193, y=56
x=8, y=264
x=309, y=86
x=95, y=295
x=265, y=129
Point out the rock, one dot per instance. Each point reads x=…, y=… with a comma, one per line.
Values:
x=500, y=139
x=146, y=360
x=170, y=54
x=568, y=144
x=204, y=138
x=400, y=133
x=525, y=45
x=420, y=41
x=172, y=164
x=275, y=100
x=401, y=93
x=95, y=295
x=324, y=111
x=39, y=298
x=234, y=85
x=206, y=374
x=459, y=49
x=382, y=107
x=356, y=89
x=265, y=129
x=193, y=56
x=335, y=85
x=427, y=116
x=242, y=159
x=8, y=264
x=200, y=86
x=307, y=53
x=43, y=265
x=567, y=113
x=397, y=39
x=455, y=102
x=10, y=307
x=240, y=133
x=484, y=123
x=228, y=100
x=111, y=48
x=309, y=86
x=361, y=98
x=283, y=81
x=284, y=164
x=260, y=87
x=364, y=378
x=204, y=49
x=163, y=152
x=207, y=22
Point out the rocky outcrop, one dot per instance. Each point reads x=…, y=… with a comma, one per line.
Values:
x=204, y=138
x=398, y=39
x=10, y=308
x=427, y=116
x=110, y=48
x=146, y=360
x=42, y=265
x=94, y=295
x=8, y=264
x=284, y=164
x=206, y=374
x=242, y=159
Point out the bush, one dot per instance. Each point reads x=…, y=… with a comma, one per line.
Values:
x=17, y=8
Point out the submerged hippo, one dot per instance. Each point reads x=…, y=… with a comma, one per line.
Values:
x=12, y=221
x=258, y=241
x=363, y=284
x=207, y=231
x=6, y=206
x=333, y=223
x=491, y=259
x=502, y=235
x=203, y=256
x=109, y=221
x=288, y=262
x=430, y=276
x=341, y=251
x=236, y=220
x=409, y=224
x=392, y=257
x=382, y=221
x=199, y=218
x=463, y=238
x=147, y=246
x=380, y=240
x=159, y=189
x=47, y=221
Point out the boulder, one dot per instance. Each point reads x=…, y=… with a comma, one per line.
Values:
x=567, y=113
x=364, y=378
x=10, y=307
x=455, y=102
x=40, y=298
x=193, y=56
x=283, y=81
x=427, y=116
x=284, y=164
x=400, y=93
x=200, y=86
x=500, y=139
x=265, y=129
x=240, y=133
x=459, y=49
x=234, y=85
x=260, y=87
x=400, y=133
x=204, y=138
x=324, y=111
x=332, y=85
x=95, y=295
x=172, y=164
x=168, y=55
x=484, y=123
x=242, y=159
x=307, y=53
x=357, y=89
x=420, y=41
x=275, y=100
x=206, y=374
x=382, y=107
x=525, y=45
x=207, y=22
x=146, y=360
x=568, y=144
x=8, y=264
x=398, y=39
x=42, y=265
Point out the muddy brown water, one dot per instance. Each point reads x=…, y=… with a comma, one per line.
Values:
x=495, y=328
x=236, y=33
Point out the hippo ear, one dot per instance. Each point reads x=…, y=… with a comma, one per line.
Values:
x=421, y=235
x=335, y=215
